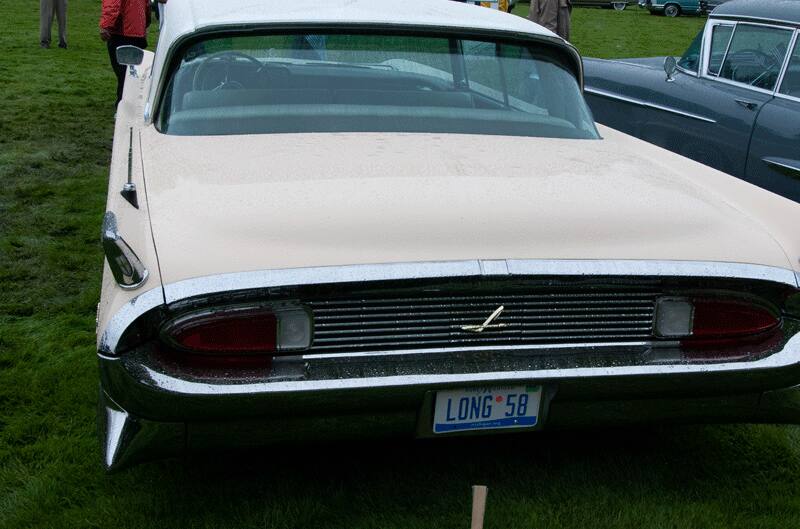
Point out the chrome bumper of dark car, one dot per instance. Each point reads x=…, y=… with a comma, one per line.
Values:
x=152, y=406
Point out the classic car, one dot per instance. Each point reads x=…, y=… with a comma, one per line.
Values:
x=618, y=5
x=333, y=220
x=505, y=5
x=732, y=101
x=674, y=8
x=709, y=5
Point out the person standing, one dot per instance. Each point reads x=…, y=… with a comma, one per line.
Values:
x=124, y=22
x=47, y=10
x=552, y=14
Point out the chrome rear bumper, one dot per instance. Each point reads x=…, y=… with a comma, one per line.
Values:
x=148, y=412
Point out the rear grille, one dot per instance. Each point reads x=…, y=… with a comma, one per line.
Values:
x=436, y=321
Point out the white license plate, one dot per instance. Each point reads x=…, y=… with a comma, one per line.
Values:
x=486, y=408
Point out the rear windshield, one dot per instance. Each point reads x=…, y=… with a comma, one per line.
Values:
x=371, y=83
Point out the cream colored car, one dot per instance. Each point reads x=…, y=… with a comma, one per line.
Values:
x=380, y=217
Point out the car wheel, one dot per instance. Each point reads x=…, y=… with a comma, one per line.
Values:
x=672, y=10
x=619, y=6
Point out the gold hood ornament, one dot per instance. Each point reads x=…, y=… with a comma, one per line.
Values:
x=488, y=323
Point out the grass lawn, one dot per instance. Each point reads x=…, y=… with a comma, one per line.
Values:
x=55, y=136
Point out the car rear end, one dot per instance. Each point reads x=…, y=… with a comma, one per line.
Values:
x=364, y=351
x=265, y=321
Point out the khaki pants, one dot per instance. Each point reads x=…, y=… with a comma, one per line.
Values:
x=552, y=14
x=48, y=9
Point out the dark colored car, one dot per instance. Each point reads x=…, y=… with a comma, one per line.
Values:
x=674, y=8
x=619, y=5
x=732, y=101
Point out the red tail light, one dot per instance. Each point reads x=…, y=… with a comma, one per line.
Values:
x=236, y=332
x=730, y=319
x=706, y=320
x=241, y=330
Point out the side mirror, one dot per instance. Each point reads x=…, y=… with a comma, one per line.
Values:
x=130, y=56
x=670, y=65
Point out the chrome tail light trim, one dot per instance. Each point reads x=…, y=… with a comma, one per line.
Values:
x=216, y=284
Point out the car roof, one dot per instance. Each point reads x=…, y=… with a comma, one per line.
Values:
x=188, y=16
x=786, y=11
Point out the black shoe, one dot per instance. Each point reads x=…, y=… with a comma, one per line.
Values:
x=45, y=45
x=62, y=45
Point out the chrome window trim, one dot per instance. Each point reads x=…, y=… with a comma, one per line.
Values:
x=727, y=50
x=741, y=85
x=690, y=72
x=795, y=42
x=788, y=356
x=646, y=104
x=756, y=20
x=216, y=284
x=707, y=53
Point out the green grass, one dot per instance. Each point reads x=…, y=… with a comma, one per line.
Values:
x=55, y=136
x=610, y=34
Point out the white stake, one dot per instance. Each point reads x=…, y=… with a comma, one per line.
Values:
x=478, y=505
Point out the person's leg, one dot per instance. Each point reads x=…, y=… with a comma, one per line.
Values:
x=61, y=14
x=119, y=70
x=45, y=22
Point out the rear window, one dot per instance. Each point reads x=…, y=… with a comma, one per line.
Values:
x=371, y=83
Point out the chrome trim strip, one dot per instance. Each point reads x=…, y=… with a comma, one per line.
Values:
x=406, y=352
x=787, y=97
x=788, y=167
x=321, y=275
x=639, y=102
x=788, y=356
x=431, y=270
x=428, y=270
x=126, y=315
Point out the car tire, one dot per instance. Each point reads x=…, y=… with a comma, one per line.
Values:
x=619, y=6
x=672, y=10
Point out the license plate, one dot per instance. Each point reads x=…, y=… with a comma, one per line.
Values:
x=486, y=408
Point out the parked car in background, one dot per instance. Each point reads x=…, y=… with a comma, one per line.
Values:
x=674, y=8
x=369, y=218
x=708, y=6
x=732, y=101
x=618, y=5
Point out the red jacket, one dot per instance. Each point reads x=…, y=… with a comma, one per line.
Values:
x=128, y=18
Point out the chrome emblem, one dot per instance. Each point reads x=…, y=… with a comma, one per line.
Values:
x=488, y=323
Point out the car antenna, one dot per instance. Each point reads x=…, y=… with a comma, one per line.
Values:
x=129, y=188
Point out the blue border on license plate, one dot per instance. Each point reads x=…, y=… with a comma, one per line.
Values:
x=487, y=408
